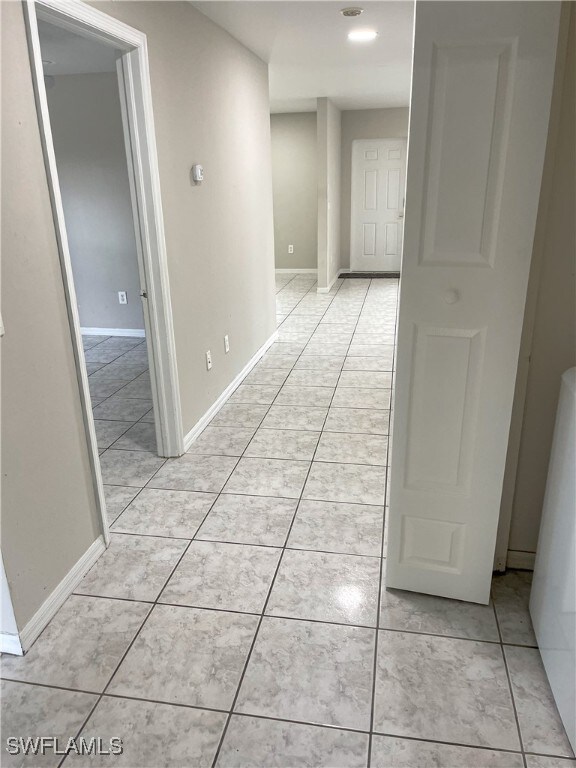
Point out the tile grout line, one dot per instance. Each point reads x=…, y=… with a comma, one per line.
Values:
x=269, y=592
x=380, y=586
x=509, y=679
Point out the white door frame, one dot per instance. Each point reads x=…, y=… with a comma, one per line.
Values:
x=354, y=190
x=136, y=95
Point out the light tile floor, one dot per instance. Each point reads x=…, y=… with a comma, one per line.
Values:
x=239, y=617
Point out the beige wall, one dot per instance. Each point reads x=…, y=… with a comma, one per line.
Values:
x=364, y=124
x=211, y=106
x=295, y=182
x=86, y=122
x=49, y=514
x=210, y=99
x=329, y=183
x=553, y=348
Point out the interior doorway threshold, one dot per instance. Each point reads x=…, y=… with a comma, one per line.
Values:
x=371, y=275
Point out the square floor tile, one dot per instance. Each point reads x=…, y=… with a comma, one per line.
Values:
x=308, y=396
x=31, y=710
x=261, y=394
x=165, y=513
x=282, y=362
x=107, y=432
x=326, y=348
x=122, y=409
x=540, y=724
x=295, y=417
x=133, y=567
x=103, y=388
x=222, y=441
x=371, y=350
x=269, y=376
x=253, y=741
x=366, y=379
x=443, y=689
x=356, y=483
x=368, y=363
x=268, y=477
x=511, y=595
x=139, y=388
x=283, y=444
x=129, y=467
x=249, y=520
x=335, y=527
x=244, y=415
x=415, y=612
x=117, y=499
x=353, y=449
x=140, y=437
x=153, y=735
x=319, y=363
x=304, y=378
x=309, y=671
x=195, y=473
x=389, y=751
x=326, y=587
x=358, y=420
x=207, y=649
x=82, y=645
x=362, y=397
x=542, y=761
x=233, y=577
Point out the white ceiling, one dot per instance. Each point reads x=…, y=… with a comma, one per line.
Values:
x=72, y=54
x=306, y=45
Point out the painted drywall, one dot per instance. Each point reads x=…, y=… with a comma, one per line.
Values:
x=86, y=121
x=364, y=124
x=49, y=516
x=329, y=159
x=211, y=106
x=553, y=343
x=295, y=184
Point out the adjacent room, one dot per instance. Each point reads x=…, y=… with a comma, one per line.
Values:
x=89, y=143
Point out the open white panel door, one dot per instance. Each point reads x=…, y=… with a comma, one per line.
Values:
x=481, y=92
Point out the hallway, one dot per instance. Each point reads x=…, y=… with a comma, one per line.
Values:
x=241, y=604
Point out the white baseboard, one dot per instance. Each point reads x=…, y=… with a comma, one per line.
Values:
x=10, y=643
x=296, y=271
x=55, y=600
x=215, y=407
x=136, y=332
x=522, y=561
x=336, y=276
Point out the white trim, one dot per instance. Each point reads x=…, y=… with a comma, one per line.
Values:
x=10, y=643
x=522, y=561
x=336, y=276
x=57, y=597
x=215, y=407
x=138, y=121
x=297, y=271
x=135, y=332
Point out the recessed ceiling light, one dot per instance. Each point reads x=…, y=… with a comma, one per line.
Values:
x=362, y=35
x=351, y=11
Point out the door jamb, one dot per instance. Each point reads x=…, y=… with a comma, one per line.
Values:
x=89, y=22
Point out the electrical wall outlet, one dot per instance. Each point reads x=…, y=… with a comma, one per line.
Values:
x=226, y=344
x=208, y=360
x=290, y=249
x=122, y=297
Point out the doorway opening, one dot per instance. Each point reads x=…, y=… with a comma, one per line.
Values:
x=94, y=107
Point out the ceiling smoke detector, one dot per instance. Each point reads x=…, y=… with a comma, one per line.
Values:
x=351, y=12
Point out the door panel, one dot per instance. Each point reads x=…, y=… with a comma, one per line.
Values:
x=378, y=174
x=481, y=91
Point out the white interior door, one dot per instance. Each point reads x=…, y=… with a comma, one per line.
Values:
x=378, y=183
x=481, y=92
